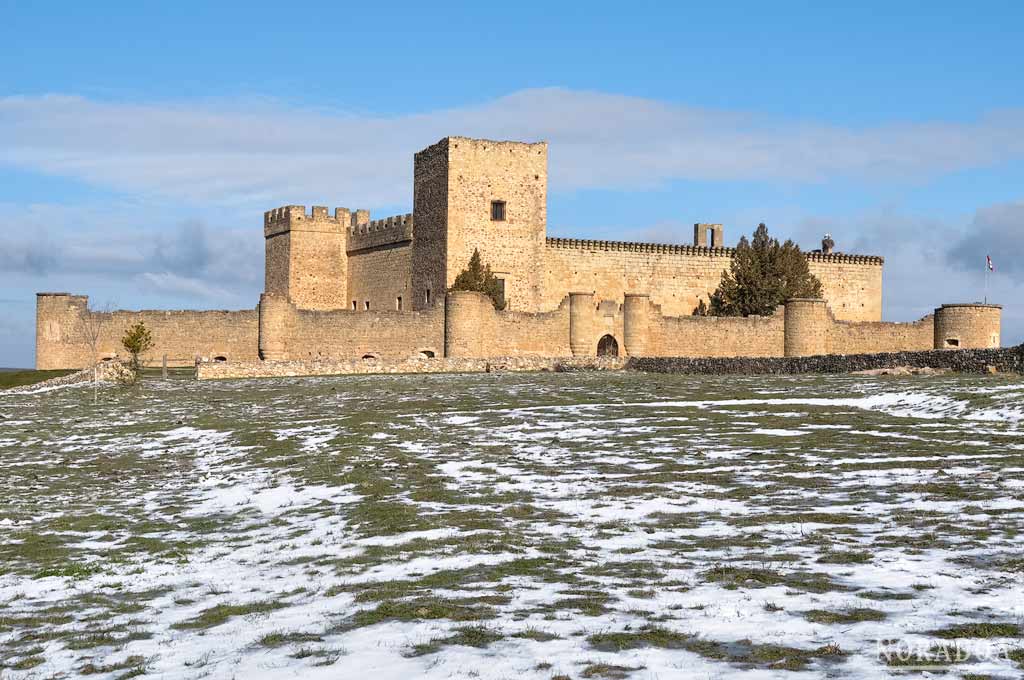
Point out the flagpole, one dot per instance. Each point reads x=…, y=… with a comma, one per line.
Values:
x=988, y=268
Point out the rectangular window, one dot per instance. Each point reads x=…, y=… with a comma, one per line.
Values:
x=398, y=303
x=497, y=211
x=366, y=305
x=426, y=297
x=355, y=305
x=501, y=292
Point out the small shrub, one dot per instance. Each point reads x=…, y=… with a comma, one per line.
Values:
x=478, y=277
x=137, y=340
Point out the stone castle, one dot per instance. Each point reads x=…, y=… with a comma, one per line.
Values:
x=342, y=286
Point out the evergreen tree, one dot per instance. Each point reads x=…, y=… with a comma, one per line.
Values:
x=763, y=275
x=478, y=276
x=137, y=340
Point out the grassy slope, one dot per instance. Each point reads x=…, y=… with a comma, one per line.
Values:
x=28, y=377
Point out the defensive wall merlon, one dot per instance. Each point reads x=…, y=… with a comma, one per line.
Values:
x=361, y=231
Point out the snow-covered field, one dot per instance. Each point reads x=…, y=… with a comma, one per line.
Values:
x=515, y=526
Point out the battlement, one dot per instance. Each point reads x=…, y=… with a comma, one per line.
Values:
x=638, y=247
x=702, y=251
x=375, y=233
x=294, y=218
x=844, y=258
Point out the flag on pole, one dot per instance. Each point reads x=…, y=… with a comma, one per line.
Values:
x=988, y=261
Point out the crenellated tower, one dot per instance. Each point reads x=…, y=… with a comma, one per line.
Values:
x=306, y=259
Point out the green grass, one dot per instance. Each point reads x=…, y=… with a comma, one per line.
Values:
x=278, y=639
x=651, y=636
x=20, y=378
x=135, y=665
x=844, y=617
x=608, y=671
x=978, y=630
x=424, y=608
x=221, y=613
x=27, y=663
x=467, y=636
x=75, y=571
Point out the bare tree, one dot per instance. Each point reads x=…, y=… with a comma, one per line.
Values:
x=90, y=331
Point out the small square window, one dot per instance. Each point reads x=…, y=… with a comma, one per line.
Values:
x=497, y=211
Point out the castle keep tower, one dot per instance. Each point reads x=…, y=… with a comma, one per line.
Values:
x=305, y=255
x=479, y=194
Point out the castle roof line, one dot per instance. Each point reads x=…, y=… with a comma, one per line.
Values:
x=684, y=249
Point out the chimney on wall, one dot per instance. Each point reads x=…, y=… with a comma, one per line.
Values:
x=701, y=232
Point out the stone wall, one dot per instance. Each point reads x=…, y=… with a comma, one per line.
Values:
x=288, y=333
x=852, y=284
x=475, y=329
x=677, y=277
x=853, y=337
x=287, y=369
x=379, y=276
x=181, y=335
x=754, y=336
x=430, y=215
x=1006, y=360
x=104, y=371
x=1009, y=360
x=468, y=326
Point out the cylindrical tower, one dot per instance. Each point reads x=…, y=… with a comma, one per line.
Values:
x=807, y=326
x=636, y=323
x=581, y=324
x=466, y=324
x=967, y=326
x=275, y=311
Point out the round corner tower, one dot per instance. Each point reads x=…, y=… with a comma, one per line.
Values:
x=968, y=326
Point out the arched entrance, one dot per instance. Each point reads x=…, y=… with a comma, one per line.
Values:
x=607, y=346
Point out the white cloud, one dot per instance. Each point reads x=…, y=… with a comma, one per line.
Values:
x=257, y=152
x=185, y=286
x=997, y=231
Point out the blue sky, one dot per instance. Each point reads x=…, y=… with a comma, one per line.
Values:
x=140, y=142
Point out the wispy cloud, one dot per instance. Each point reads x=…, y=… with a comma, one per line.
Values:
x=256, y=152
x=998, y=231
x=187, y=260
x=186, y=286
